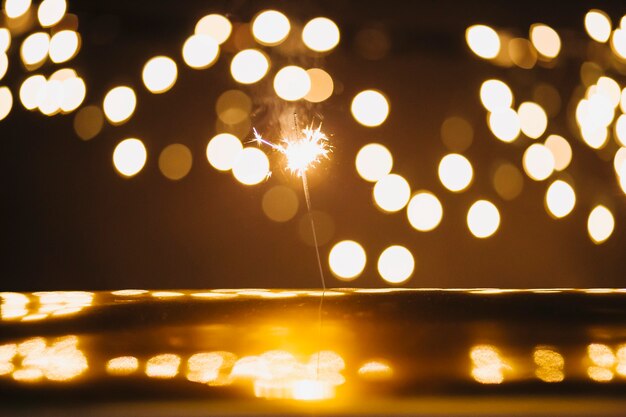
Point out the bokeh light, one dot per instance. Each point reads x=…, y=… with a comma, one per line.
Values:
x=292, y=83
x=159, y=74
x=483, y=219
x=163, y=366
x=483, y=41
x=600, y=224
x=249, y=66
x=495, y=95
x=370, y=108
x=122, y=365
x=320, y=34
x=223, y=150
x=5, y=39
x=533, y=119
x=51, y=12
x=538, y=162
x=35, y=48
x=16, y=8
x=561, y=151
x=280, y=203
x=6, y=102
x=233, y=107
x=216, y=26
x=88, y=122
x=598, y=25
x=457, y=133
x=392, y=193
x=200, y=51
x=64, y=46
x=396, y=264
x=620, y=130
x=175, y=161
x=560, y=199
x=545, y=40
x=347, y=260
x=455, y=172
x=119, y=104
x=321, y=85
x=505, y=125
x=270, y=27
x=129, y=157
x=424, y=211
x=508, y=181
x=251, y=166
x=373, y=162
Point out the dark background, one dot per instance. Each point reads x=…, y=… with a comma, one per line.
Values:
x=70, y=222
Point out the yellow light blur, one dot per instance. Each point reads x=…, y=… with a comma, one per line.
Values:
x=166, y=294
x=163, y=366
x=370, y=108
x=129, y=292
x=321, y=85
x=488, y=365
x=6, y=102
x=550, y=364
x=223, y=150
x=496, y=95
x=545, y=40
x=61, y=361
x=598, y=25
x=561, y=151
x=129, y=157
x=16, y=8
x=595, y=138
x=620, y=130
x=233, y=107
x=608, y=87
x=51, y=12
x=522, y=53
x=396, y=264
x=424, y=211
x=175, y=161
x=270, y=27
x=320, y=34
x=251, y=166
x=64, y=46
x=600, y=224
x=27, y=375
x=280, y=203
x=159, y=74
x=483, y=219
x=200, y=51
x=292, y=83
x=619, y=161
x=455, y=172
x=600, y=374
x=375, y=371
x=533, y=119
x=392, y=193
x=4, y=64
x=483, y=41
x=119, y=104
x=622, y=101
x=347, y=260
x=5, y=39
x=204, y=367
x=618, y=42
x=216, y=26
x=14, y=305
x=508, y=181
x=73, y=93
x=35, y=48
x=457, y=133
x=373, y=162
x=560, y=199
x=601, y=355
x=122, y=365
x=249, y=66
x=505, y=125
x=538, y=162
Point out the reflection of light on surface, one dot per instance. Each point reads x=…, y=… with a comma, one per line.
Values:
x=6, y=102
x=129, y=157
x=598, y=25
x=216, y=26
x=312, y=390
x=16, y=8
x=375, y=370
x=600, y=374
x=455, y=172
x=270, y=27
x=505, y=125
x=392, y=193
x=14, y=305
x=488, y=365
x=251, y=166
x=560, y=199
x=601, y=355
x=35, y=48
x=27, y=375
x=508, y=181
x=483, y=41
x=223, y=150
x=321, y=85
x=550, y=365
x=495, y=95
x=200, y=51
x=122, y=365
x=204, y=367
x=483, y=219
x=347, y=260
x=61, y=361
x=561, y=151
x=545, y=40
x=292, y=83
x=159, y=74
x=51, y=12
x=129, y=292
x=63, y=46
x=373, y=162
x=396, y=264
x=280, y=203
x=424, y=211
x=621, y=360
x=63, y=302
x=166, y=294
x=249, y=66
x=538, y=162
x=533, y=119
x=600, y=224
x=163, y=366
x=370, y=108
x=119, y=104
x=320, y=34
x=175, y=161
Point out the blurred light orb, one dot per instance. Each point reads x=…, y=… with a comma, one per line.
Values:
x=74, y=91
x=320, y=34
x=608, y=87
x=16, y=8
x=455, y=172
x=35, y=48
x=600, y=224
x=618, y=42
x=533, y=119
x=392, y=193
x=270, y=27
x=216, y=26
x=200, y=51
x=560, y=199
x=88, y=122
x=483, y=219
x=129, y=157
x=496, y=95
x=292, y=83
x=508, y=181
x=505, y=125
x=223, y=150
x=6, y=102
x=396, y=264
x=457, y=133
x=595, y=138
x=538, y=162
x=280, y=203
x=4, y=64
x=233, y=107
x=249, y=66
x=424, y=211
x=598, y=25
x=119, y=104
x=620, y=130
x=30, y=89
x=51, y=12
x=175, y=161
x=619, y=161
x=561, y=151
x=63, y=46
x=251, y=166
x=159, y=74
x=347, y=260
x=5, y=39
x=370, y=108
x=322, y=85
x=545, y=40
x=483, y=41
x=373, y=162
